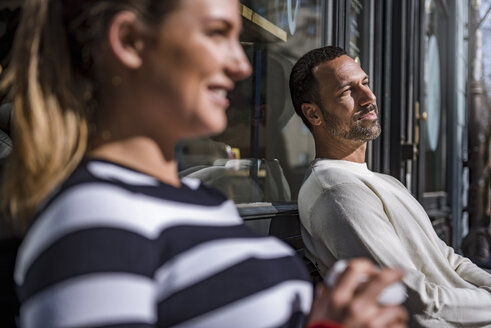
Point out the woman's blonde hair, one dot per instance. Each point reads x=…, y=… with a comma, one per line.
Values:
x=51, y=82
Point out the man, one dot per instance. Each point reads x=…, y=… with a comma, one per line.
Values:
x=348, y=211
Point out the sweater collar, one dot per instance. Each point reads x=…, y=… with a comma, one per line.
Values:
x=360, y=168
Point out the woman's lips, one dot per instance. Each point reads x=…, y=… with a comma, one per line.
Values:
x=219, y=96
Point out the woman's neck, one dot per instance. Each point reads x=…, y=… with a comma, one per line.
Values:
x=140, y=153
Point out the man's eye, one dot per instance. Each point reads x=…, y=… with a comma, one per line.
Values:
x=346, y=92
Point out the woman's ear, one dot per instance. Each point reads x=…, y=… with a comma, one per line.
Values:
x=312, y=113
x=126, y=39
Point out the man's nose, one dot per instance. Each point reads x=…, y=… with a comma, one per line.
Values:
x=238, y=66
x=367, y=96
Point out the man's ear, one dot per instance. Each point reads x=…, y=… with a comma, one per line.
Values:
x=126, y=39
x=312, y=113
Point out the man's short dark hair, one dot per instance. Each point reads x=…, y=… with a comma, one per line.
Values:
x=303, y=85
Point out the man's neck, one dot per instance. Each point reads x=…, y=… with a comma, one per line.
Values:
x=333, y=147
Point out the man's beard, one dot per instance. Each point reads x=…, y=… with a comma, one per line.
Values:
x=357, y=131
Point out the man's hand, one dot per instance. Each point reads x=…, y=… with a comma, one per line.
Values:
x=353, y=300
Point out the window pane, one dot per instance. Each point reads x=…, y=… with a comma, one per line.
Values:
x=263, y=153
x=360, y=31
x=434, y=89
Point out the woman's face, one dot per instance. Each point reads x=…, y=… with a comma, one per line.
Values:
x=192, y=65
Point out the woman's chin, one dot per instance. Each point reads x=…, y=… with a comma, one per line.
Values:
x=211, y=128
x=218, y=126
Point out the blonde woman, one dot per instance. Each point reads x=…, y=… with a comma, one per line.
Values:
x=102, y=91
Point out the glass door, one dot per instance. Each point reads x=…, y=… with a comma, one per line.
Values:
x=431, y=117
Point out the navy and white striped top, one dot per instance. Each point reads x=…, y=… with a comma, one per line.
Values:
x=116, y=247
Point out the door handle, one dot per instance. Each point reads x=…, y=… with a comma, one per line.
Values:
x=423, y=116
x=419, y=117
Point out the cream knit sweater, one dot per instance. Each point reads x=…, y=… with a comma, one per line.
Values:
x=348, y=211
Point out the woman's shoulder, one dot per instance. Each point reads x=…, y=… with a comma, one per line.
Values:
x=107, y=195
x=103, y=183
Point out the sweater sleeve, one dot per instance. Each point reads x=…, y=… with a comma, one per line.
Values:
x=350, y=220
x=466, y=269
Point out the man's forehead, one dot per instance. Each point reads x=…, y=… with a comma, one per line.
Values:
x=339, y=71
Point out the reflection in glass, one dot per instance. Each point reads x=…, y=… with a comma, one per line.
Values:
x=432, y=93
x=434, y=86
x=263, y=153
x=359, y=32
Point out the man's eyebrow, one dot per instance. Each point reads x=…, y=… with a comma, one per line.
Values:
x=346, y=84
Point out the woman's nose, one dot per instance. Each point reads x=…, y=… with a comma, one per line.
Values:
x=239, y=66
